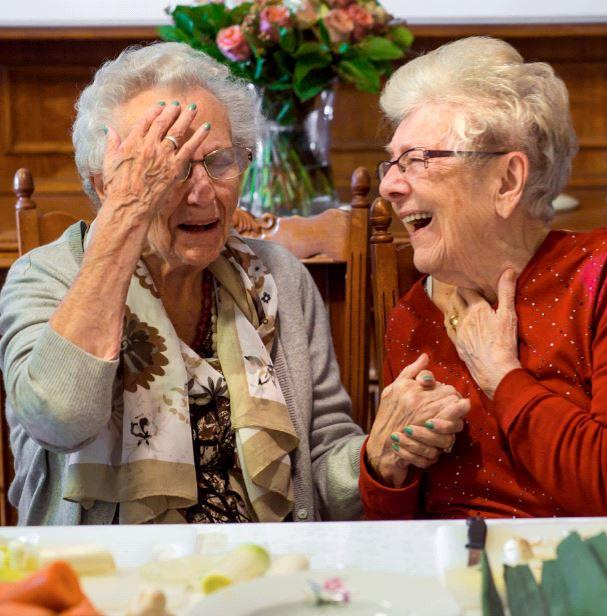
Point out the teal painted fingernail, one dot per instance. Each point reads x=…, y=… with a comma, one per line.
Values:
x=192, y=106
x=395, y=438
x=161, y=103
x=427, y=377
x=206, y=126
x=105, y=129
x=395, y=447
x=176, y=103
x=408, y=430
x=429, y=425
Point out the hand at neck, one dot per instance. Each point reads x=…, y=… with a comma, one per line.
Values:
x=480, y=267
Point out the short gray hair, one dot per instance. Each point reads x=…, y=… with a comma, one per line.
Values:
x=138, y=69
x=501, y=103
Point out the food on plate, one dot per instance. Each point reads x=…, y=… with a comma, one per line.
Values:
x=84, y=559
x=187, y=570
x=287, y=564
x=244, y=563
x=54, y=588
x=149, y=602
x=517, y=551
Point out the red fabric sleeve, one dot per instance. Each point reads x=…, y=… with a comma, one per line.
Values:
x=561, y=445
x=384, y=503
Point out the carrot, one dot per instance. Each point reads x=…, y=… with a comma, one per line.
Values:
x=55, y=587
x=13, y=608
x=84, y=608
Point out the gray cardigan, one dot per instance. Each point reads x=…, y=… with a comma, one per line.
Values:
x=59, y=396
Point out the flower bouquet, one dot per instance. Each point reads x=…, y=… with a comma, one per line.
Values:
x=294, y=51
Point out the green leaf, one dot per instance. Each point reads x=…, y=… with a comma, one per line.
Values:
x=361, y=73
x=402, y=37
x=313, y=83
x=343, y=48
x=182, y=16
x=287, y=39
x=308, y=63
x=584, y=578
x=554, y=589
x=378, y=48
x=212, y=17
x=324, y=33
x=284, y=63
x=524, y=595
x=258, y=69
x=172, y=34
x=490, y=600
x=311, y=48
x=598, y=545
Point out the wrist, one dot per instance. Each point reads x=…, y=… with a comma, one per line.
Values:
x=384, y=466
x=491, y=385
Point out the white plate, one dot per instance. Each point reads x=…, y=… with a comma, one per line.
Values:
x=372, y=593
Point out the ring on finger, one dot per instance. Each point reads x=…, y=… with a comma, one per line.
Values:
x=172, y=140
x=453, y=321
x=448, y=449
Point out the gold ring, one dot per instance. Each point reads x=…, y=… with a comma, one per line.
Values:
x=453, y=321
x=173, y=141
x=448, y=449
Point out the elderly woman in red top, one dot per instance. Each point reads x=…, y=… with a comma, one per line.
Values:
x=514, y=316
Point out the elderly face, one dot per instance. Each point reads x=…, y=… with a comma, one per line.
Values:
x=447, y=208
x=192, y=229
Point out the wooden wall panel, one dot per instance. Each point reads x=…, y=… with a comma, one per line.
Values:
x=42, y=70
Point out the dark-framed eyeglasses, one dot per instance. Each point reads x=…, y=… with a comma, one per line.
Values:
x=224, y=163
x=422, y=155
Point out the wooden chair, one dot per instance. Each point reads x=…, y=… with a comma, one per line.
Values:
x=392, y=273
x=333, y=245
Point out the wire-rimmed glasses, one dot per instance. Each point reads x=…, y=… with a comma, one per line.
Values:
x=423, y=155
x=224, y=163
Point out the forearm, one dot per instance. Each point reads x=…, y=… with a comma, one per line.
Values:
x=91, y=314
x=561, y=445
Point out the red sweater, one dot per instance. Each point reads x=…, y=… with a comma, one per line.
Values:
x=539, y=448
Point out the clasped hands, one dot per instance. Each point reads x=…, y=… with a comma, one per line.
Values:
x=416, y=422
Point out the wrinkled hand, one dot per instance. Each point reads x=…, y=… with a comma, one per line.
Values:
x=399, y=437
x=140, y=172
x=486, y=339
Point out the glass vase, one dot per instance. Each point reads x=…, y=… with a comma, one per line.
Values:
x=290, y=173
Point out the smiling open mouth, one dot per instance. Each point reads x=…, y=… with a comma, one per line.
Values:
x=419, y=220
x=198, y=228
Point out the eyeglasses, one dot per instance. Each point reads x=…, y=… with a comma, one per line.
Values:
x=224, y=163
x=421, y=155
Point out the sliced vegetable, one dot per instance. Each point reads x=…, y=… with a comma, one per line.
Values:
x=56, y=587
x=524, y=595
x=84, y=559
x=584, y=578
x=490, y=600
x=12, y=608
x=598, y=544
x=246, y=562
x=554, y=589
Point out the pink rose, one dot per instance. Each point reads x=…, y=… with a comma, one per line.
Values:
x=307, y=14
x=363, y=20
x=339, y=25
x=232, y=44
x=271, y=19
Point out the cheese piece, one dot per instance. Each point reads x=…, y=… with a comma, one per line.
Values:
x=84, y=559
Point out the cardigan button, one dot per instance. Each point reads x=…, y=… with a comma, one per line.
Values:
x=302, y=514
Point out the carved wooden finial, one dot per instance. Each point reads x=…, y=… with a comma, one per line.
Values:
x=23, y=186
x=380, y=219
x=361, y=185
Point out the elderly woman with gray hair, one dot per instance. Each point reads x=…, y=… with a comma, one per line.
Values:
x=158, y=367
x=511, y=314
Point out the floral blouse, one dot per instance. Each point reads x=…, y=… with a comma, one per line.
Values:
x=221, y=493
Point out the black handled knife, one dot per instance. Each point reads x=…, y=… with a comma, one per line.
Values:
x=477, y=534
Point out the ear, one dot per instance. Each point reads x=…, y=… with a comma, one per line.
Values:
x=514, y=172
x=97, y=181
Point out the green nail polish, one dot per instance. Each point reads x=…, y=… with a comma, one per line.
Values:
x=395, y=447
x=192, y=106
x=105, y=130
x=408, y=430
x=176, y=103
x=427, y=377
x=161, y=103
x=395, y=438
x=429, y=425
x=207, y=126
